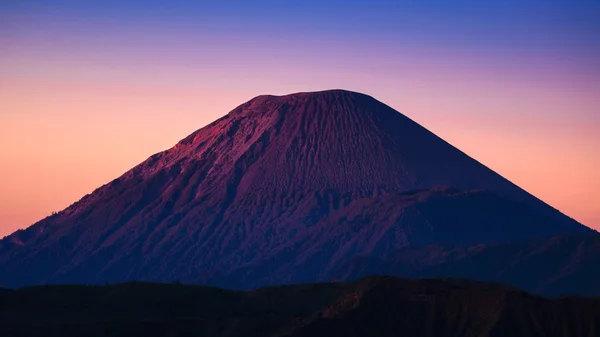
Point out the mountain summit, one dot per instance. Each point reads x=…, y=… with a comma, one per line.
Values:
x=281, y=189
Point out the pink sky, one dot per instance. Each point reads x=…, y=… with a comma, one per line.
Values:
x=78, y=112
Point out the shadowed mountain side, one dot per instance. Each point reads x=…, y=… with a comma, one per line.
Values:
x=412, y=218
x=242, y=188
x=373, y=306
x=554, y=266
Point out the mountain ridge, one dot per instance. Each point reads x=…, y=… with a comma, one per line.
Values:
x=553, y=266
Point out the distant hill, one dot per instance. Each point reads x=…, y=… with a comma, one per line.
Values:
x=372, y=306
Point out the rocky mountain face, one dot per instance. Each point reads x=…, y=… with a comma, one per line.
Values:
x=283, y=189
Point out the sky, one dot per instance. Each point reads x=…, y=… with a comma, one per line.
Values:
x=88, y=89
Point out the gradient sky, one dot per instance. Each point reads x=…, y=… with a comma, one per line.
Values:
x=88, y=89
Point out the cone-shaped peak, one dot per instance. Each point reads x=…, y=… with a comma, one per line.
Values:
x=324, y=101
x=322, y=94
x=314, y=178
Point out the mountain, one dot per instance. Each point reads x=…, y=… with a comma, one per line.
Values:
x=306, y=180
x=553, y=266
x=372, y=306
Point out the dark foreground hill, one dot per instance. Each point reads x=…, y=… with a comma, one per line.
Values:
x=553, y=266
x=373, y=306
x=308, y=181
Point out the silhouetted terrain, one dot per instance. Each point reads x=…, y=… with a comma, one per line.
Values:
x=373, y=306
x=280, y=190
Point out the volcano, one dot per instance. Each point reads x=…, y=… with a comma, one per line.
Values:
x=282, y=189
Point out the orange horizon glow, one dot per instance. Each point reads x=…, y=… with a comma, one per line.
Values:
x=83, y=99
x=73, y=139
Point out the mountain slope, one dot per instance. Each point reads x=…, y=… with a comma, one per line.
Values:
x=261, y=183
x=374, y=226
x=553, y=266
x=373, y=306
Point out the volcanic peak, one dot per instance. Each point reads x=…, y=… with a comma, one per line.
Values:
x=324, y=99
x=300, y=182
x=330, y=93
